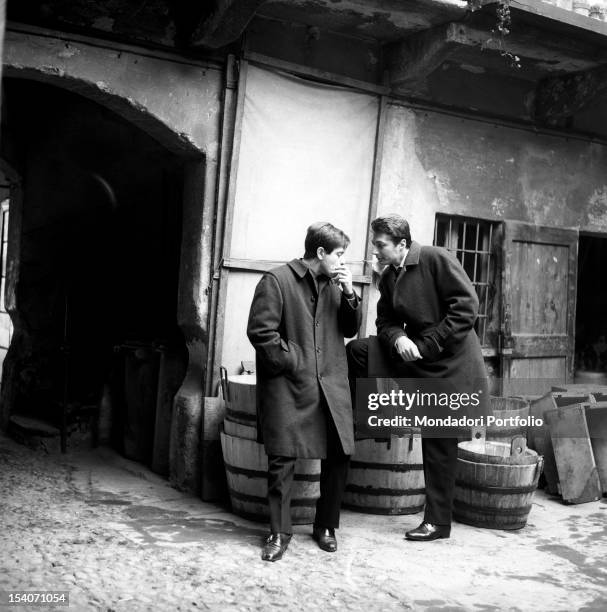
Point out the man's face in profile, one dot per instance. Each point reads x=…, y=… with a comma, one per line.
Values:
x=386, y=251
x=332, y=262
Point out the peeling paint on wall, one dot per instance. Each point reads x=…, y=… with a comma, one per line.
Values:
x=68, y=52
x=597, y=210
x=183, y=97
x=498, y=207
x=406, y=187
x=459, y=166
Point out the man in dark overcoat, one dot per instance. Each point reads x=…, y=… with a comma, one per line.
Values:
x=425, y=327
x=300, y=314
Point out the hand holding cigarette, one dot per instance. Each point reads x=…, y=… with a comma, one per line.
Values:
x=343, y=276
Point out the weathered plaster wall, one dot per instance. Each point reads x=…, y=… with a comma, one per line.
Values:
x=175, y=100
x=439, y=163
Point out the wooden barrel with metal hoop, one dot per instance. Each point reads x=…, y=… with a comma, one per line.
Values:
x=246, y=467
x=238, y=430
x=386, y=478
x=495, y=483
x=239, y=394
x=507, y=409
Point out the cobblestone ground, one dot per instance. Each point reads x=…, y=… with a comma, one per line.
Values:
x=119, y=538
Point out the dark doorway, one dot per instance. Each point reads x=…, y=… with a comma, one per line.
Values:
x=95, y=321
x=591, y=322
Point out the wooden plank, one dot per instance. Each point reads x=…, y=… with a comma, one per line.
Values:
x=596, y=418
x=581, y=388
x=532, y=375
x=542, y=307
x=260, y=265
x=578, y=474
x=373, y=203
x=539, y=437
x=539, y=440
x=537, y=345
x=538, y=314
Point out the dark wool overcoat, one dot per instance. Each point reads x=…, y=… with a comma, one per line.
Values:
x=298, y=335
x=433, y=297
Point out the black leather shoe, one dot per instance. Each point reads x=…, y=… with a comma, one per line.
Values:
x=427, y=532
x=275, y=546
x=326, y=538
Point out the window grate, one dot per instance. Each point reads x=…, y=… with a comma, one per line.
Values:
x=472, y=242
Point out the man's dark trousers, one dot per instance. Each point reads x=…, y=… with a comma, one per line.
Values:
x=440, y=463
x=439, y=454
x=333, y=473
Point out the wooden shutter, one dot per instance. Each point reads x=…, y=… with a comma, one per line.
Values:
x=538, y=307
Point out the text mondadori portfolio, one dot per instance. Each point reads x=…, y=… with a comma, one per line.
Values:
x=416, y=400
x=375, y=420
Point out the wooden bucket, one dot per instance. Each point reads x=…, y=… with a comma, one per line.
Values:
x=505, y=408
x=384, y=480
x=239, y=393
x=495, y=483
x=246, y=467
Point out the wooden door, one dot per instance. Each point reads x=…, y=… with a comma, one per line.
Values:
x=538, y=307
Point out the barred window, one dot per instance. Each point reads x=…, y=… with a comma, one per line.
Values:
x=474, y=242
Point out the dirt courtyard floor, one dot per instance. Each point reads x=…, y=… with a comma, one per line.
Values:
x=118, y=537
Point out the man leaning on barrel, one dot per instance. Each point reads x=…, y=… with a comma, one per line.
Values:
x=300, y=314
x=425, y=330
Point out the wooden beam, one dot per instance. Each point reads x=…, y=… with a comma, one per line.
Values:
x=412, y=60
x=226, y=23
x=561, y=97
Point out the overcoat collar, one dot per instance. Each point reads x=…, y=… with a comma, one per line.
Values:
x=298, y=267
x=412, y=258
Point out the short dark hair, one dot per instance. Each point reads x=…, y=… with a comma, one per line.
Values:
x=393, y=225
x=324, y=235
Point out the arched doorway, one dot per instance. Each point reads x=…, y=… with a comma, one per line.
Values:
x=96, y=351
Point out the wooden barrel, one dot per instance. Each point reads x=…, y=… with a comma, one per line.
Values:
x=384, y=480
x=246, y=467
x=239, y=393
x=506, y=408
x=494, y=488
x=234, y=428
